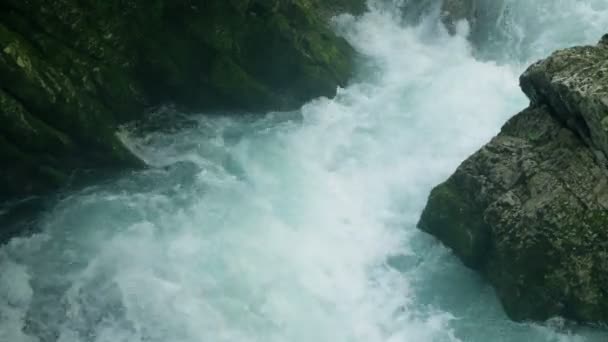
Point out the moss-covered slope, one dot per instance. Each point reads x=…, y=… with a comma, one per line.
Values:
x=71, y=70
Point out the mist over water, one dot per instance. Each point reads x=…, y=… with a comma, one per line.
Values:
x=521, y=30
x=298, y=226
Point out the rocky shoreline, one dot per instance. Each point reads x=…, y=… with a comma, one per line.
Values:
x=72, y=71
x=529, y=210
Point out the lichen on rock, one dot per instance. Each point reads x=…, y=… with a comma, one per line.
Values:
x=529, y=210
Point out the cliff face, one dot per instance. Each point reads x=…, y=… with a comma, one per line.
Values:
x=70, y=71
x=530, y=209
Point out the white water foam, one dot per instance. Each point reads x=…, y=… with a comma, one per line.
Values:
x=294, y=227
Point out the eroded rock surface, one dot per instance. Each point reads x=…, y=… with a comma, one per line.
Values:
x=530, y=209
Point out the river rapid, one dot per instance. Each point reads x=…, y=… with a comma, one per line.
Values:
x=298, y=226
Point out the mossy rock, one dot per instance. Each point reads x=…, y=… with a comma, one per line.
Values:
x=457, y=220
x=71, y=71
x=528, y=211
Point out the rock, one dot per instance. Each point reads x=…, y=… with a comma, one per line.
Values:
x=529, y=211
x=574, y=83
x=71, y=71
x=330, y=8
x=486, y=20
x=453, y=11
x=450, y=11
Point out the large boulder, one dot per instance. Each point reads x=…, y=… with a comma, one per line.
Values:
x=574, y=83
x=530, y=209
x=71, y=71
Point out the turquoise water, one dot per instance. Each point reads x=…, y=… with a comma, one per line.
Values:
x=298, y=226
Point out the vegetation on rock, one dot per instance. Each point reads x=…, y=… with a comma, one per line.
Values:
x=71, y=71
x=530, y=209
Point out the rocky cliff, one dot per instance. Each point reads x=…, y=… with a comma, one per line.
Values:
x=71, y=71
x=530, y=209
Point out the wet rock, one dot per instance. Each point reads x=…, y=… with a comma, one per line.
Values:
x=454, y=11
x=71, y=71
x=530, y=209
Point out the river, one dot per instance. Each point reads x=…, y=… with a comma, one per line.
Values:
x=299, y=226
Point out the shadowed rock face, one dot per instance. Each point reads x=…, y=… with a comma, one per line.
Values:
x=574, y=83
x=70, y=71
x=330, y=8
x=530, y=209
x=453, y=11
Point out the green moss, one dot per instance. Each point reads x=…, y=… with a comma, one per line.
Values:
x=457, y=222
x=73, y=70
x=559, y=271
x=356, y=7
x=235, y=84
x=24, y=173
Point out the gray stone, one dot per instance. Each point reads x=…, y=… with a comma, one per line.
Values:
x=529, y=210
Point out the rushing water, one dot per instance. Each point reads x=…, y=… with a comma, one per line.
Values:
x=298, y=226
